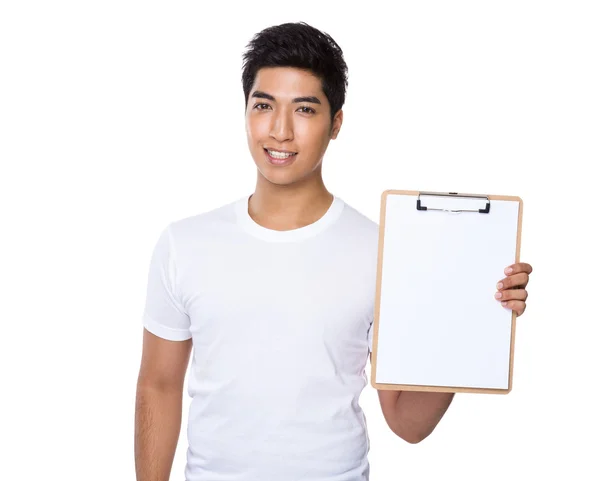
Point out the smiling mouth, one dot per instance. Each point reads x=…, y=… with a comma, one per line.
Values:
x=276, y=158
x=275, y=154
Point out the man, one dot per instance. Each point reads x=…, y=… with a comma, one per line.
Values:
x=275, y=291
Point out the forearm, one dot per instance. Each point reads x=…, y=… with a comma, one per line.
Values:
x=418, y=413
x=157, y=427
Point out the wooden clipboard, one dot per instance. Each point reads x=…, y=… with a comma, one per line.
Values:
x=439, y=259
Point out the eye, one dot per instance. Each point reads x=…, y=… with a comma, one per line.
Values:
x=306, y=110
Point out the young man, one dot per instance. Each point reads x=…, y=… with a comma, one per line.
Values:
x=275, y=291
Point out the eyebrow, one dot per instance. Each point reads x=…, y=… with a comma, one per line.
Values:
x=263, y=95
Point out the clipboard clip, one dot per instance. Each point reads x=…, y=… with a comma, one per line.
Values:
x=454, y=195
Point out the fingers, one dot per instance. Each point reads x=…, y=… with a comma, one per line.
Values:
x=517, y=306
x=519, y=267
x=513, y=299
x=512, y=294
x=511, y=290
x=514, y=280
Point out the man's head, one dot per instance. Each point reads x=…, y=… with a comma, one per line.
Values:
x=294, y=80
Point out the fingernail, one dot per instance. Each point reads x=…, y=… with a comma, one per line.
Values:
x=498, y=295
x=499, y=285
x=508, y=270
x=504, y=303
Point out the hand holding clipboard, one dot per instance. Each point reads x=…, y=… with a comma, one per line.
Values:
x=438, y=326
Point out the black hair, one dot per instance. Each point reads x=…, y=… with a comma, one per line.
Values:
x=301, y=46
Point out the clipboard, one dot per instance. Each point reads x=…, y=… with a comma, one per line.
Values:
x=437, y=325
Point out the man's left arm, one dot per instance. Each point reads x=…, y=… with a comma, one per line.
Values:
x=413, y=415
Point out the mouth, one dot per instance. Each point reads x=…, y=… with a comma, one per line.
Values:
x=277, y=157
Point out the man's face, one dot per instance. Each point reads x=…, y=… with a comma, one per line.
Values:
x=288, y=111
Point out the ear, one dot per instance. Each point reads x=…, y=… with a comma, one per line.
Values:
x=336, y=125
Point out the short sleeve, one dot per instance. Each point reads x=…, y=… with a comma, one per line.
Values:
x=163, y=313
x=370, y=337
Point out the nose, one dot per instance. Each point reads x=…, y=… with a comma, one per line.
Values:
x=282, y=126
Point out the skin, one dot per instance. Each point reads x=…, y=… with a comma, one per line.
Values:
x=511, y=289
x=289, y=197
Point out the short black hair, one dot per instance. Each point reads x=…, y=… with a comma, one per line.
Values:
x=301, y=46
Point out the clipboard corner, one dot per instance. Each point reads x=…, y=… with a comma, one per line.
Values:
x=385, y=193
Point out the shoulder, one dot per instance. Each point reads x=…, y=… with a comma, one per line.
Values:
x=358, y=233
x=204, y=225
x=359, y=222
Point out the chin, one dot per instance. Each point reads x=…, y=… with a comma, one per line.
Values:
x=281, y=179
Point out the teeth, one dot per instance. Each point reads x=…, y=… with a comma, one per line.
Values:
x=279, y=155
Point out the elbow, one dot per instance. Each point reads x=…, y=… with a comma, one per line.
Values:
x=412, y=438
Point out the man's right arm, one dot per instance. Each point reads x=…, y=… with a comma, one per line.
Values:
x=158, y=405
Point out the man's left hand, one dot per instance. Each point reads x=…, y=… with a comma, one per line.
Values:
x=511, y=290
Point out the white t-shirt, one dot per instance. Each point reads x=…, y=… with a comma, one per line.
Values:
x=281, y=329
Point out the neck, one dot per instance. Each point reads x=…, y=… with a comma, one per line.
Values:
x=287, y=207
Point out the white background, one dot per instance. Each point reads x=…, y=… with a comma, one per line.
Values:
x=118, y=117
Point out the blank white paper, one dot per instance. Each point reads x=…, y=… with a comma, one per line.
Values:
x=439, y=323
